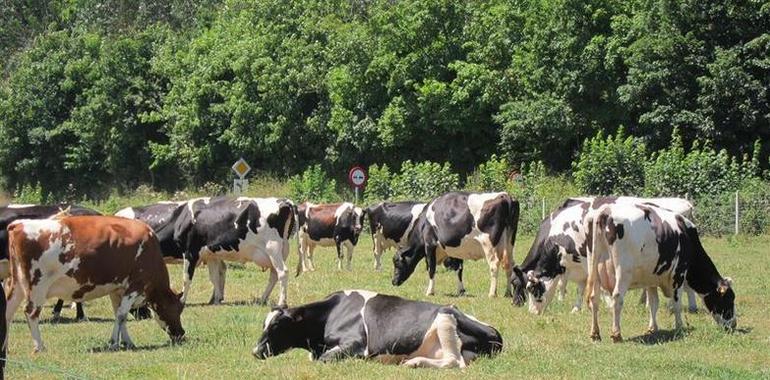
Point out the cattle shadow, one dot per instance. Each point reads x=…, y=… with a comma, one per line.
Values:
x=231, y=303
x=457, y=295
x=105, y=348
x=662, y=336
x=68, y=321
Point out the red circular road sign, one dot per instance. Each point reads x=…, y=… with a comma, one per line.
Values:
x=357, y=177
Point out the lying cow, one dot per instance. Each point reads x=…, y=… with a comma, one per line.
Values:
x=12, y=212
x=81, y=258
x=644, y=246
x=328, y=225
x=464, y=226
x=561, y=246
x=389, y=329
x=242, y=230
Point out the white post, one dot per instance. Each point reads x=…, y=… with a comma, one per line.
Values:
x=737, y=210
x=542, y=213
x=356, y=191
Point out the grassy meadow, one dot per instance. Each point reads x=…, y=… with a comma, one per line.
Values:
x=555, y=345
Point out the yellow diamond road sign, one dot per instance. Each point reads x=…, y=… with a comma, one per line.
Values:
x=241, y=168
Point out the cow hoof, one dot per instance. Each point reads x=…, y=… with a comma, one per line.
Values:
x=575, y=310
x=652, y=331
x=693, y=310
x=596, y=337
x=113, y=346
x=617, y=338
x=38, y=350
x=461, y=293
x=129, y=346
x=55, y=318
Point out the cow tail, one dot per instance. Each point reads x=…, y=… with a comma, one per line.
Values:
x=595, y=224
x=514, y=222
x=300, y=254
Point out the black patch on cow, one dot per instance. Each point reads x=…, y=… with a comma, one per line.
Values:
x=601, y=201
x=497, y=215
x=162, y=218
x=393, y=218
x=280, y=219
x=391, y=335
x=36, y=275
x=453, y=218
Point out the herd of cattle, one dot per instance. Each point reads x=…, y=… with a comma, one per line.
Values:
x=609, y=244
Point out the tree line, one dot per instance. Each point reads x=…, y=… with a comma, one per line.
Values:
x=104, y=94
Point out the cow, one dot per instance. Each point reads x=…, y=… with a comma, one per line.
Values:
x=213, y=230
x=81, y=258
x=465, y=226
x=388, y=329
x=645, y=246
x=13, y=212
x=328, y=225
x=559, y=251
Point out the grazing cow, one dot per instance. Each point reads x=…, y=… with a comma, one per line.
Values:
x=561, y=246
x=81, y=258
x=464, y=226
x=327, y=225
x=12, y=212
x=644, y=246
x=389, y=329
x=243, y=230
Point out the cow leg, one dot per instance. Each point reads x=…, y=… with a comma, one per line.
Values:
x=430, y=259
x=562, y=289
x=449, y=354
x=32, y=311
x=579, y=290
x=652, y=303
x=460, y=285
x=593, y=304
x=119, y=331
x=494, y=264
x=678, y=323
x=13, y=301
x=691, y=299
x=310, y=251
x=80, y=315
x=507, y=261
x=304, y=247
x=216, y=275
x=377, y=250
x=57, y=310
x=278, y=272
x=341, y=351
x=339, y=254
x=349, y=249
x=190, y=261
x=621, y=287
x=270, y=285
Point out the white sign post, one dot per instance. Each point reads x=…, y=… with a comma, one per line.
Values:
x=241, y=168
x=357, y=178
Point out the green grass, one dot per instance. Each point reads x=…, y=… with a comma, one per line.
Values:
x=555, y=345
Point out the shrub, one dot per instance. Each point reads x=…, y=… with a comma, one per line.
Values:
x=491, y=175
x=29, y=194
x=612, y=165
x=313, y=185
x=378, y=186
x=423, y=181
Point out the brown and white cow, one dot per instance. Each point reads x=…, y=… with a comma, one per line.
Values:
x=81, y=258
x=645, y=246
x=328, y=225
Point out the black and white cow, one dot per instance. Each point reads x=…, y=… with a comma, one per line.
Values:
x=389, y=329
x=464, y=226
x=213, y=230
x=162, y=218
x=13, y=212
x=561, y=246
x=390, y=224
x=328, y=225
x=645, y=246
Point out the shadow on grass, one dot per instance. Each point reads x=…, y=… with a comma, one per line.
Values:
x=66, y=321
x=232, y=303
x=105, y=348
x=456, y=295
x=662, y=336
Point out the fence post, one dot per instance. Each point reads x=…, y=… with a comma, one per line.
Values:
x=542, y=213
x=737, y=208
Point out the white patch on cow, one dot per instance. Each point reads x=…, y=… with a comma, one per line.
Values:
x=33, y=228
x=191, y=206
x=416, y=210
x=127, y=212
x=366, y=295
x=476, y=320
x=342, y=208
x=139, y=250
x=269, y=318
x=476, y=203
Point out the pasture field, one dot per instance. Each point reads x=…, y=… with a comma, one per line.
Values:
x=555, y=345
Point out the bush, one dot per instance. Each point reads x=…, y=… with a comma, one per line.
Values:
x=29, y=194
x=611, y=166
x=378, y=186
x=423, y=181
x=313, y=185
x=533, y=186
x=489, y=176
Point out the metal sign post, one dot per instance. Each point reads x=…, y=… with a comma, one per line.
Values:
x=241, y=168
x=357, y=178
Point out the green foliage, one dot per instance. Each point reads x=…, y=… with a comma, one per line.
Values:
x=378, y=186
x=313, y=185
x=423, y=181
x=611, y=165
x=491, y=175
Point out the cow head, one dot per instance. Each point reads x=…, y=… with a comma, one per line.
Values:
x=168, y=308
x=541, y=289
x=518, y=282
x=350, y=222
x=720, y=302
x=404, y=263
x=279, y=334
